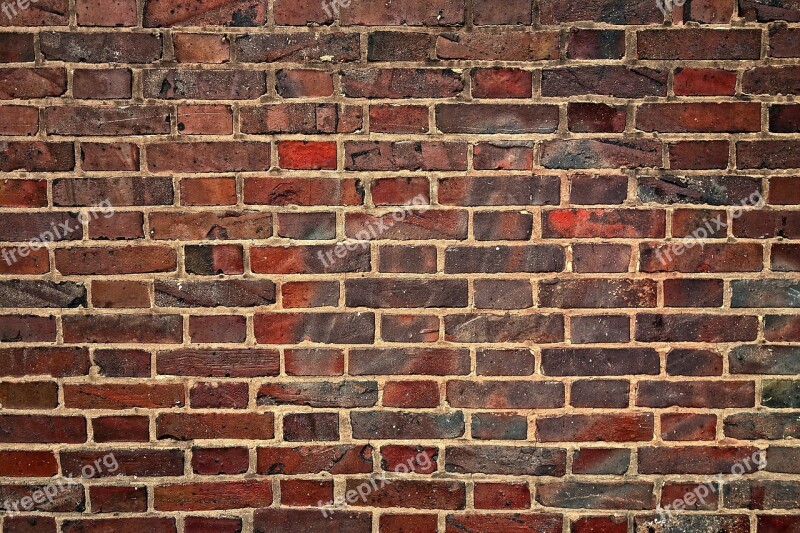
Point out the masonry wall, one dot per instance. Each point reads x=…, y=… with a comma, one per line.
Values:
x=467, y=265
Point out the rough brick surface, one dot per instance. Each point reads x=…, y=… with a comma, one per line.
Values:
x=536, y=261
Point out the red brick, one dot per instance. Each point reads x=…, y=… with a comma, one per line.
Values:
x=161, y=13
x=507, y=45
x=198, y=524
x=32, y=82
x=306, y=191
x=123, y=396
x=109, y=156
x=613, y=80
x=186, y=426
x=698, y=155
x=121, y=429
x=218, y=362
x=120, y=294
x=501, y=83
x=23, y=193
x=398, y=523
x=120, y=260
x=307, y=155
x=699, y=43
x=709, y=11
x=219, y=395
x=496, y=118
x=19, y=120
x=309, y=427
x=101, y=83
x=595, y=44
x=300, y=492
x=213, y=225
x=314, y=362
x=412, y=13
x=99, y=13
x=223, y=329
x=211, y=496
x=704, y=82
x=555, y=12
x=123, y=328
x=699, y=117
x=205, y=119
x=123, y=363
x=112, y=499
x=200, y=48
x=601, y=461
x=605, y=427
x=19, y=463
x=217, y=461
x=31, y=395
x=310, y=294
x=411, y=394
x=546, y=523
x=486, y=12
x=783, y=42
x=608, y=223
x=401, y=83
x=42, y=429
x=208, y=157
x=398, y=119
x=18, y=47
x=307, y=226
x=688, y=426
x=595, y=118
x=209, y=191
x=303, y=83
x=405, y=155
x=500, y=156
x=120, y=525
x=600, y=524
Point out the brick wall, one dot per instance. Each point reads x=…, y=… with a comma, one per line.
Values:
x=540, y=255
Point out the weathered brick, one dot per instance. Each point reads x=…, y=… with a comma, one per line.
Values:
x=696, y=328
x=190, y=426
x=404, y=425
x=596, y=495
x=208, y=157
x=297, y=47
x=509, y=46
x=488, y=426
x=619, y=81
x=714, y=394
x=161, y=13
x=595, y=44
x=636, y=12
x=704, y=82
x=526, y=460
x=345, y=394
x=410, y=13
x=605, y=427
x=599, y=361
x=200, y=48
x=336, y=459
x=399, y=46
x=699, y=43
x=36, y=156
x=408, y=361
x=505, y=394
x=104, y=47
x=32, y=82
x=330, y=328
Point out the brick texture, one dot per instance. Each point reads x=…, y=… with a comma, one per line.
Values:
x=550, y=247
